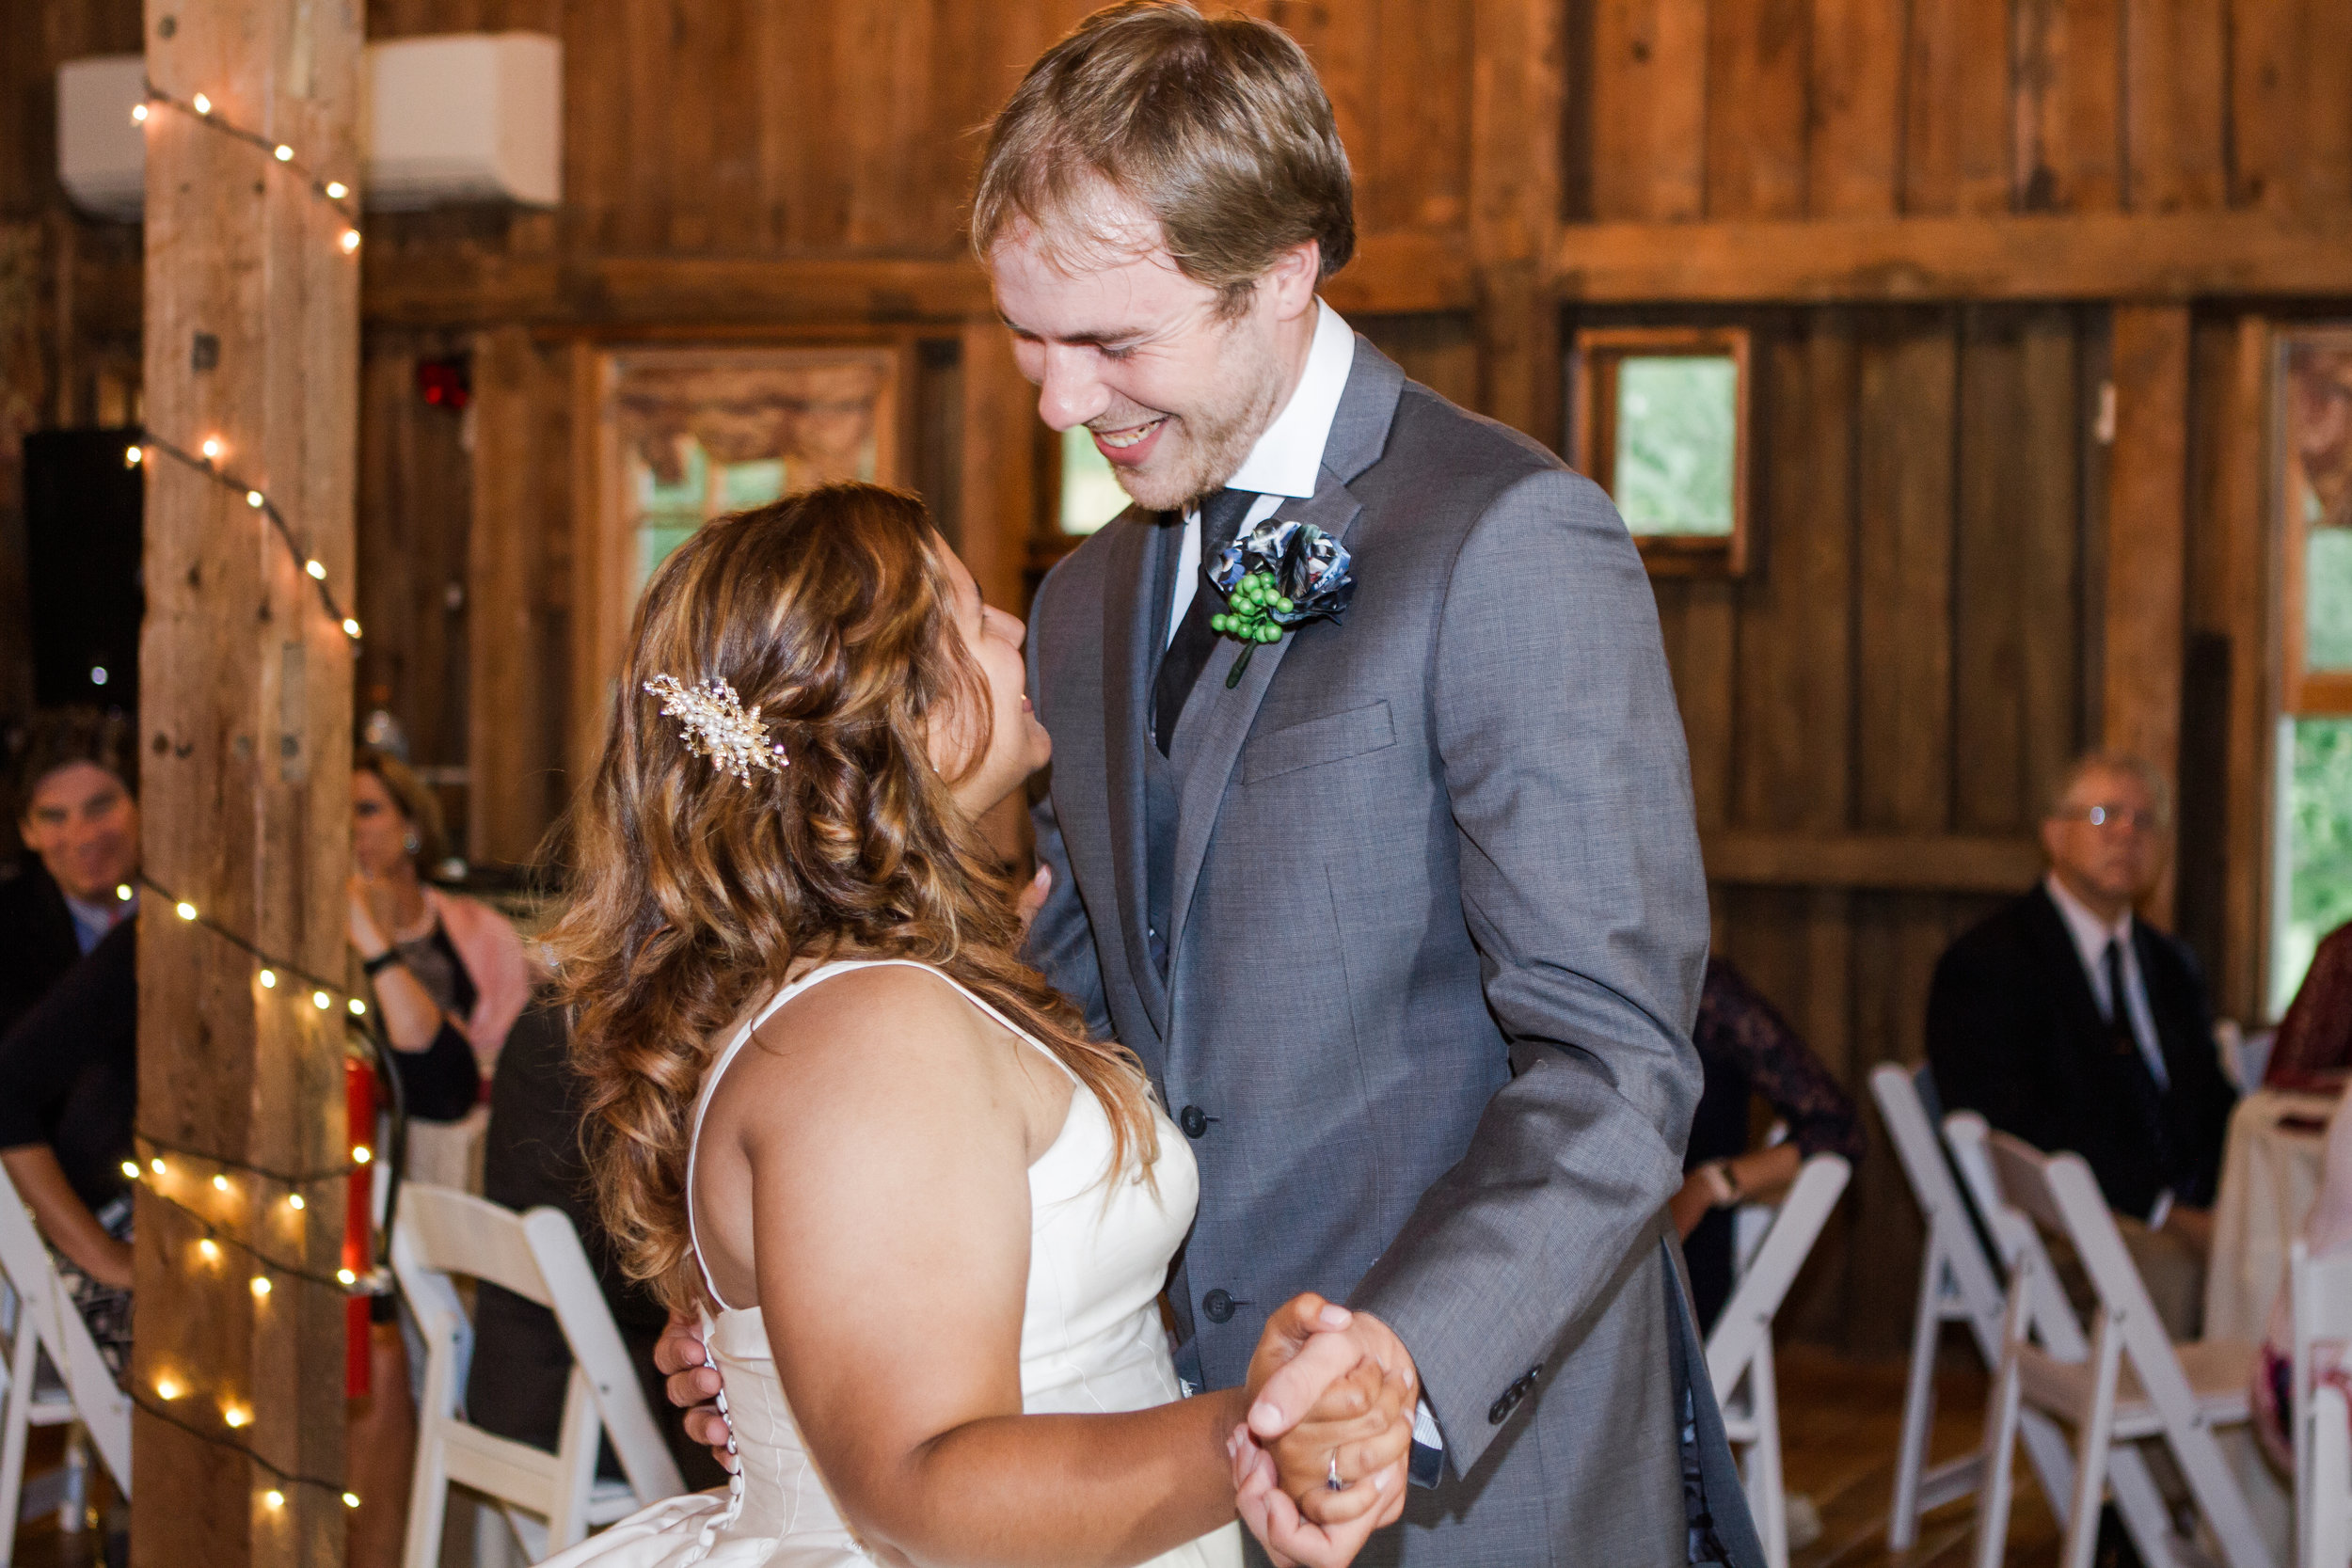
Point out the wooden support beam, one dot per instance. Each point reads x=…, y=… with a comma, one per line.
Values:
x=998, y=486
x=1514, y=204
x=251, y=339
x=2147, y=540
x=1892, y=862
x=2088, y=256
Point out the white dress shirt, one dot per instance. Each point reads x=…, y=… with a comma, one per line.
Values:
x=1284, y=463
x=2091, y=936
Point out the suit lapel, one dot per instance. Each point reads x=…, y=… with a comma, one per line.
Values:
x=1127, y=665
x=1229, y=716
x=2059, y=957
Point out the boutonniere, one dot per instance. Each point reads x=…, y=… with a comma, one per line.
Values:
x=1275, y=578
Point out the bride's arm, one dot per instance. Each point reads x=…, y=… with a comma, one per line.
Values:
x=890, y=1222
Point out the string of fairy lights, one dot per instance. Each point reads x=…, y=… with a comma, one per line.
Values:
x=210, y=1179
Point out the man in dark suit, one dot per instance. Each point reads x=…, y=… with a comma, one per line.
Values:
x=2067, y=1020
x=74, y=782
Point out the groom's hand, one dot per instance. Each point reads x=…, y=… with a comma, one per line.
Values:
x=1336, y=1391
x=694, y=1385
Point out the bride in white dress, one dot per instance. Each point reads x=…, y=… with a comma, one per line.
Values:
x=924, y=1219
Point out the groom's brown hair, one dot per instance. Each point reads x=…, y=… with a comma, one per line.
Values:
x=1218, y=128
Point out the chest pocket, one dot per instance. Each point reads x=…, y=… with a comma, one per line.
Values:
x=1333, y=737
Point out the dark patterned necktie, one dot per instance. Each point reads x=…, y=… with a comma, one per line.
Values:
x=1188, y=651
x=2143, y=1086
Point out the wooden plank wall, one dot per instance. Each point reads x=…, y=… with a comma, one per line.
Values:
x=1873, y=711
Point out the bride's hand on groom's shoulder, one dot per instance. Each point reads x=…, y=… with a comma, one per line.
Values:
x=693, y=1386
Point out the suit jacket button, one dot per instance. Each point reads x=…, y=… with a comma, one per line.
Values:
x=1500, y=1410
x=1194, y=1120
x=1218, y=1307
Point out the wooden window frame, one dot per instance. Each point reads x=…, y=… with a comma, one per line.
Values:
x=2303, y=693
x=1594, y=359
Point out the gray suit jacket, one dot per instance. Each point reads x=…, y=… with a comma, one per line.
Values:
x=1437, y=929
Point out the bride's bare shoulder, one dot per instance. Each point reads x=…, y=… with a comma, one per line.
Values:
x=894, y=1029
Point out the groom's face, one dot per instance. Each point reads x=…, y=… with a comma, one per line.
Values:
x=1175, y=384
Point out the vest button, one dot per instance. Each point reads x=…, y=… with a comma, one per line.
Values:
x=1218, y=1307
x=1194, y=1120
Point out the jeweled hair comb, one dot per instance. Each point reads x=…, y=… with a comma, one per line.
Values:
x=714, y=725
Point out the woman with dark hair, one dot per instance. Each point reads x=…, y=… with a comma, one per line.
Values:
x=926, y=1217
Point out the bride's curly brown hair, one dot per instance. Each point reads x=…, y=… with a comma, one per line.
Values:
x=693, y=893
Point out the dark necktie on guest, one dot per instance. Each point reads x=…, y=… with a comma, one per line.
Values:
x=1188, y=651
x=2145, y=1082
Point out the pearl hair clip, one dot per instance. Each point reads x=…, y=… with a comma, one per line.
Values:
x=715, y=725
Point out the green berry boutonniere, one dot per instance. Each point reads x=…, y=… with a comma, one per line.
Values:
x=1276, y=578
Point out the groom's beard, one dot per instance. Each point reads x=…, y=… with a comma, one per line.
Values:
x=1217, y=437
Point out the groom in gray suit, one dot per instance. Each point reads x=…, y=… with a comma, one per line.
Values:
x=1405, y=916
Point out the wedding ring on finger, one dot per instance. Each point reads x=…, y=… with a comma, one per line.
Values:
x=1331, y=1481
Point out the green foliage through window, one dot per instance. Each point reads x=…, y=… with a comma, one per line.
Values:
x=1678, y=433
x=2318, y=862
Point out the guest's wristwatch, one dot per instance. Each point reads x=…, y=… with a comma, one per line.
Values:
x=1727, y=1180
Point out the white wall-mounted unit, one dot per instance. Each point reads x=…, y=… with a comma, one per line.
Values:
x=461, y=116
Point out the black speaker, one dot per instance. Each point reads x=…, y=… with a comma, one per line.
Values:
x=82, y=506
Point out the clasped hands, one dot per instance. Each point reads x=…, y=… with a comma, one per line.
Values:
x=1330, y=1393
x=1320, y=1461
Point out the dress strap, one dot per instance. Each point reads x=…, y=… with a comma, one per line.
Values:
x=725, y=1058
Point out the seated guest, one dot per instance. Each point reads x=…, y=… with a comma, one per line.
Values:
x=2313, y=1049
x=450, y=980
x=69, y=1100
x=448, y=972
x=69, y=1011
x=75, y=782
x=1747, y=1049
x=2065, y=1020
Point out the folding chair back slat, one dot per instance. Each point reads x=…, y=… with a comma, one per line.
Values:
x=45, y=1325
x=2059, y=1189
x=442, y=1233
x=2320, y=1297
x=1740, y=1347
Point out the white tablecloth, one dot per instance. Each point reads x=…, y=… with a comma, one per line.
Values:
x=2268, y=1178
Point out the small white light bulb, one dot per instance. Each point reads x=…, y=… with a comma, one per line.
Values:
x=273, y=1497
x=156, y=1165
x=220, y=1184
x=253, y=498
x=167, y=1390
x=361, y=1154
x=337, y=190
x=132, y=457
x=237, y=1416
x=123, y=893
x=138, y=114
x=203, y=104
x=293, y=1200
x=261, y=1284
x=316, y=567
x=346, y=1277
x=131, y=1169
x=209, y=1250
x=320, y=1000
x=358, y=1008
x=350, y=628
x=351, y=1499
x=283, y=153
x=211, y=449
x=184, y=909
x=350, y=241
x=269, y=979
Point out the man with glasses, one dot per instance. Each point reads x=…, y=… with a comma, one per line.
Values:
x=2066, y=1020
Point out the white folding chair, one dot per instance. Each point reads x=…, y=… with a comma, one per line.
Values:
x=1740, y=1348
x=550, y=1499
x=44, y=1326
x=1957, y=1284
x=2322, y=1301
x=2136, y=1386
x=2050, y=1320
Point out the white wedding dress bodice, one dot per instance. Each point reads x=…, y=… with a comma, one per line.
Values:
x=1090, y=1342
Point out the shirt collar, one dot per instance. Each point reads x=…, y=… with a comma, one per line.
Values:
x=1289, y=456
x=2092, y=934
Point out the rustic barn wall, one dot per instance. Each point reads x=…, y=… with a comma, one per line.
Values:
x=1923, y=209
